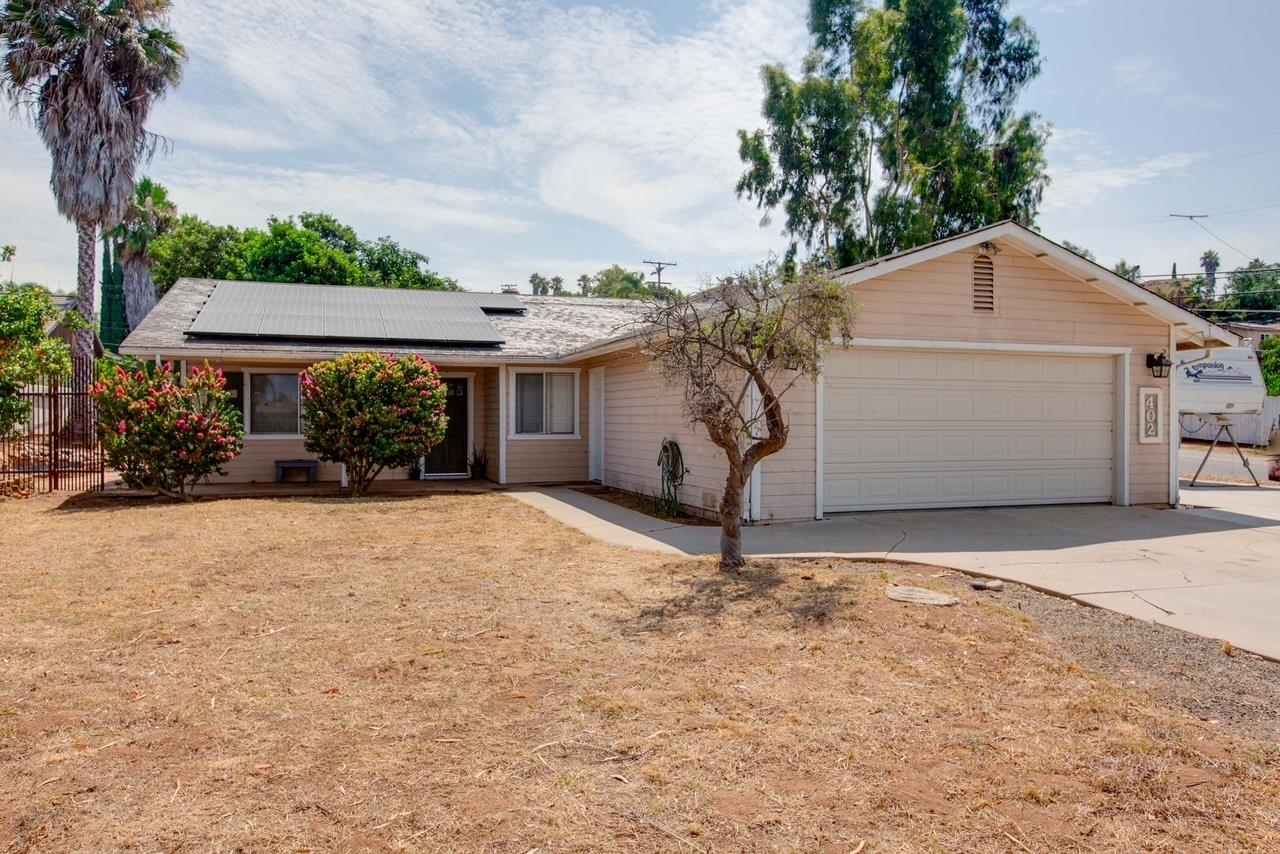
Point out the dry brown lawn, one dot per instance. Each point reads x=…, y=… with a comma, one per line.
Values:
x=460, y=673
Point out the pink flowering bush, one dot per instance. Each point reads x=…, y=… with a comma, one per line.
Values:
x=371, y=411
x=163, y=434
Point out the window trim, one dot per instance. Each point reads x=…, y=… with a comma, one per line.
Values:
x=248, y=397
x=543, y=437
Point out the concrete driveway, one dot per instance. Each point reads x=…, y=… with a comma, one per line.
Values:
x=1224, y=463
x=1212, y=569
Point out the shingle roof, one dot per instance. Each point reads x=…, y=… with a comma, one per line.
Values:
x=550, y=328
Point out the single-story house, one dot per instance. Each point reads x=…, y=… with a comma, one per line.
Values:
x=991, y=368
x=1254, y=332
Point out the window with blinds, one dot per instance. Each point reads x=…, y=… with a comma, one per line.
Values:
x=546, y=403
x=984, y=284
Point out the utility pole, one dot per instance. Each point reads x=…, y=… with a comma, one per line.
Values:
x=658, y=267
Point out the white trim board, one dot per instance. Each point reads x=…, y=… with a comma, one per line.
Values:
x=1174, y=433
x=820, y=446
x=595, y=423
x=502, y=424
x=991, y=346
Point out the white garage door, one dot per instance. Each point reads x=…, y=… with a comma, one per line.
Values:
x=942, y=428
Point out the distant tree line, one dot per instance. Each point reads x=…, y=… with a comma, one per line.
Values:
x=613, y=281
x=313, y=248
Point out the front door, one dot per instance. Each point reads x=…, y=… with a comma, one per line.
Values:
x=450, y=456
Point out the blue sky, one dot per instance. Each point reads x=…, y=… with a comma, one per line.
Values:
x=503, y=138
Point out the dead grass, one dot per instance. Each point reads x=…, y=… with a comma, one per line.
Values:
x=460, y=673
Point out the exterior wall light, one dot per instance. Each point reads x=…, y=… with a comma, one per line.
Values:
x=1159, y=365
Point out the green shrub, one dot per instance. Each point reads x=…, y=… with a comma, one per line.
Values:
x=1270, y=350
x=162, y=434
x=27, y=354
x=370, y=412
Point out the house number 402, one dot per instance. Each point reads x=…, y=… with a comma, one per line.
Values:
x=1151, y=407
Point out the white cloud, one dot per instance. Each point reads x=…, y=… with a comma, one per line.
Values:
x=584, y=107
x=213, y=128
x=1086, y=173
x=405, y=207
x=1145, y=75
x=455, y=124
x=46, y=242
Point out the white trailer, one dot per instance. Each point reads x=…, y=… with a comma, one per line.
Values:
x=1216, y=383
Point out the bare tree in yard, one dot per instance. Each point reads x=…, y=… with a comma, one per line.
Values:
x=736, y=349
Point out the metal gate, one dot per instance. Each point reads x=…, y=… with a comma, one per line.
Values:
x=56, y=448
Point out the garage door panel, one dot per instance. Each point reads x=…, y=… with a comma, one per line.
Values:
x=939, y=428
x=927, y=449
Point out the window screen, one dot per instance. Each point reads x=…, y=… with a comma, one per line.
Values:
x=529, y=413
x=560, y=403
x=273, y=404
x=546, y=403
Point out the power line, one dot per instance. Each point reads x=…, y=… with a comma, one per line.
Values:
x=1221, y=274
x=1154, y=219
x=1195, y=220
x=658, y=267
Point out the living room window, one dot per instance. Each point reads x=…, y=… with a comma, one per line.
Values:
x=274, y=405
x=546, y=403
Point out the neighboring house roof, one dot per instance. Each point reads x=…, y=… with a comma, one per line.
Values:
x=1189, y=325
x=1246, y=329
x=549, y=328
x=55, y=328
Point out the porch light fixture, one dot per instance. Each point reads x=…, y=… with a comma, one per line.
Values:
x=1159, y=364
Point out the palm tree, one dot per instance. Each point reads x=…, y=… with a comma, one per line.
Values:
x=149, y=215
x=584, y=282
x=88, y=72
x=7, y=253
x=1211, y=262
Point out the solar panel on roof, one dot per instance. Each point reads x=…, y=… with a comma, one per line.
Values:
x=270, y=310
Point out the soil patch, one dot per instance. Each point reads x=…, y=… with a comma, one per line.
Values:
x=461, y=673
x=646, y=505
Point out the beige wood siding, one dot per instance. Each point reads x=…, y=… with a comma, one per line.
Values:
x=256, y=463
x=1035, y=304
x=546, y=460
x=787, y=479
x=640, y=412
x=488, y=423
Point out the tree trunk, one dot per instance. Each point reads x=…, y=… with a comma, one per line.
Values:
x=82, y=354
x=139, y=290
x=731, y=515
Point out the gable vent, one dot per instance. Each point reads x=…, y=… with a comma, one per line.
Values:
x=984, y=284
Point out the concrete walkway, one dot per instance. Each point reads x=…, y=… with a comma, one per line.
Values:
x=1212, y=569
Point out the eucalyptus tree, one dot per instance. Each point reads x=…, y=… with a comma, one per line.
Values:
x=87, y=73
x=149, y=214
x=901, y=128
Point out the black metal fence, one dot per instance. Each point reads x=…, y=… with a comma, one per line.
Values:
x=56, y=448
